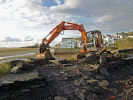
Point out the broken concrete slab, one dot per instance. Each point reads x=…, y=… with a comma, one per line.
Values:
x=119, y=63
x=103, y=60
x=92, y=81
x=75, y=77
x=60, y=98
x=6, y=83
x=90, y=58
x=100, y=77
x=104, y=83
x=85, y=72
x=28, y=66
x=16, y=70
x=114, y=64
x=72, y=77
x=15, y=62
x=94, y=66
x=81, y=56
x=98, y=90
x=64, y=61
x=129, y=55
x=92, y=96
x=23, y=86
x=103, y=71
x=125, y=50
x=80, y=93
x=79, y=82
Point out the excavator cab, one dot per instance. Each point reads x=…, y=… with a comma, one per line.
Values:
x=94, y=40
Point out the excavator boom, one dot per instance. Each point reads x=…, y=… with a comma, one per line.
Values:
x=70, y=26
x=55, y=32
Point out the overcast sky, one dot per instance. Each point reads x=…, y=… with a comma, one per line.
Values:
x=26, y=22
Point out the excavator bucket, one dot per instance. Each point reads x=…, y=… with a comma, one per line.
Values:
x=46, y=55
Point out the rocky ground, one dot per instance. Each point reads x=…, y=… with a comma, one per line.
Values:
x=68, y=80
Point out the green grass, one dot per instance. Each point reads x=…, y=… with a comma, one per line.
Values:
x=110, y=48
x=124, y=44
x=71, y=58
x=5, y=68
x=130, y=39
x=67, y=49
x=58, y=51
x=12, y=50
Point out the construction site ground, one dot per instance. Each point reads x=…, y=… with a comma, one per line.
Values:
x=71, y=80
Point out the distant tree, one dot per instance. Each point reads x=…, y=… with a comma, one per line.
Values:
x=122, y=33
x=36, y=45
x=79, y=38
x=127, y=34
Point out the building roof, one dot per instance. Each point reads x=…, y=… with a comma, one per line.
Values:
x=109, y=35
x=64, y=39
x=68, y=38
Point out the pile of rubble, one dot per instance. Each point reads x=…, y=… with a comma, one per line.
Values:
x=76, y=81
x=71, y=80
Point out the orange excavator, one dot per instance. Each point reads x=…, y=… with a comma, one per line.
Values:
x=44, y=52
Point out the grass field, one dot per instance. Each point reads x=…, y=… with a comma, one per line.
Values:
x=124, y=44
x=121, y=44
x=6, y=67
x=67, y=48
x=15, y=51
x=59, y=51
x=12, y=50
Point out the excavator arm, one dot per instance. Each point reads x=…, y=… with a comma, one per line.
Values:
x=44, y=53
x=59, y=28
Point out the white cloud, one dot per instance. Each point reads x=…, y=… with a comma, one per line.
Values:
x=28, y=38
x=115, y=15
x=9, y=39
x=57, y=1
x=19, y=19
x=15, y=44
x=68, y=5
x=118, y=1
x=104, y=18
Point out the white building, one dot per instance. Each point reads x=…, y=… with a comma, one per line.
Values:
x=115, y=35
x=129, y=36
x=69, y=43
x=108, y=40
